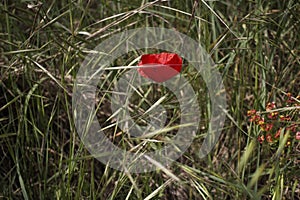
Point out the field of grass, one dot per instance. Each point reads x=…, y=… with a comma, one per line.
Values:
x=255, y=46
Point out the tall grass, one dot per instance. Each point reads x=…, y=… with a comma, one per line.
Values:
x=255, y=45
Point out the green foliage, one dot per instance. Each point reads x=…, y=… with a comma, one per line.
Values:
x=255, y=45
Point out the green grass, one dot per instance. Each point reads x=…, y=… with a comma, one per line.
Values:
x=255, y=45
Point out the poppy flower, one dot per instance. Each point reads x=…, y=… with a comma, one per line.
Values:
x=160, y=67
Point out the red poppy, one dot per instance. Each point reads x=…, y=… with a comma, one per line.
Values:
x=160, y=67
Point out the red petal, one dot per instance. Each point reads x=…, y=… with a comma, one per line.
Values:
x=160, y=67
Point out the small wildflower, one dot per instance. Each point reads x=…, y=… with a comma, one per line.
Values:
x=267, y=127
x=277, y=134
x=270, y=106
x=284, y=118
x=292, y=127
x=290, y=98
x=261, y=121
x=297, y=137
x=251, y=112
x=272, y=123
x=255, y=118
x=269, y=138
x=261, y=138
x=273, y=115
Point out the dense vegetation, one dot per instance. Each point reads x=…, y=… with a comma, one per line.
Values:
x=256, y=47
